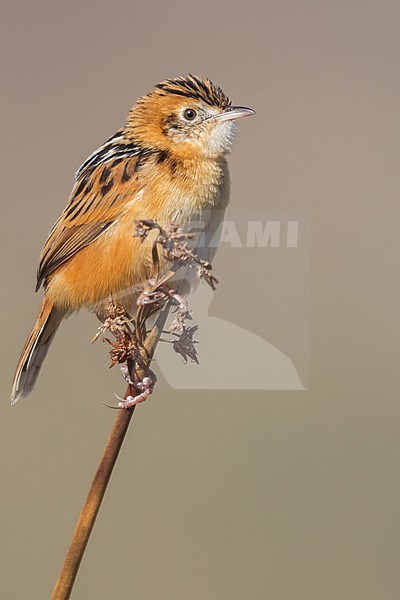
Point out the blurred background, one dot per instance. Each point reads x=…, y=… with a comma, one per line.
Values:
x=289, y=494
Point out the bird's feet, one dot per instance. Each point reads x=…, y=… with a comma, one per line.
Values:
x=163, y=292
x=145, y=387
x=145, y=298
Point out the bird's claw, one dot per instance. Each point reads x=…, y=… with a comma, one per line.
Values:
x=150, y=298
x=145, y=387
x=162, y=293
x=180, y=300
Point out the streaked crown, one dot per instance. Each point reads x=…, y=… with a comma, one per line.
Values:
x=195, y=88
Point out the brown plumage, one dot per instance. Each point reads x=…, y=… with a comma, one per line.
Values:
x=169, y=157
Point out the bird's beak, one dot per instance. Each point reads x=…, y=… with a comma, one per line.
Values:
x=231, y=113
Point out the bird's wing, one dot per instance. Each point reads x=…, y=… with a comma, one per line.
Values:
x=100, y=195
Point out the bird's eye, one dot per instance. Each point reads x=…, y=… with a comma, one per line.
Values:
x=190, y=114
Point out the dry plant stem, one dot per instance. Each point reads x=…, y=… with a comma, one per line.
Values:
x=87, y=518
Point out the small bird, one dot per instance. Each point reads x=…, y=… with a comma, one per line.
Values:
x=168, y=159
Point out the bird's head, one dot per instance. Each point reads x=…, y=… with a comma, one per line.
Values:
x=187, y=117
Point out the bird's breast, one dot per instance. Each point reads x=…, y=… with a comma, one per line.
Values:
x=185, y=191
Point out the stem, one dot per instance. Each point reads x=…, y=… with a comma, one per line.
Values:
x=87, y=517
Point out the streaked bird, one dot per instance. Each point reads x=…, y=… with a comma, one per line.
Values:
x=168, y=159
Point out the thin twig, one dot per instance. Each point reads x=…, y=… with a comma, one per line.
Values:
x=87, y=517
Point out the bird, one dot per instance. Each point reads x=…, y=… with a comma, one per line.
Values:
x=169, y=158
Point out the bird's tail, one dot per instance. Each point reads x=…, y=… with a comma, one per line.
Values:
x=35, y=350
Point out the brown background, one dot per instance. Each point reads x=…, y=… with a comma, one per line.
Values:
x=279, y=495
